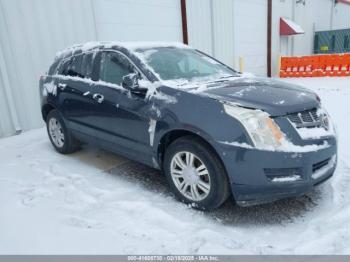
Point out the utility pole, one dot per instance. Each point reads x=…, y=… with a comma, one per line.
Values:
x=293, y=18
x=332, y=14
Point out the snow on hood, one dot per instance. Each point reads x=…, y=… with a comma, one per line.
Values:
x=275, y=97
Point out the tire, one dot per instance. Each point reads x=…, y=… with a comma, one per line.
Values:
x=61, y=137
x=198, y=177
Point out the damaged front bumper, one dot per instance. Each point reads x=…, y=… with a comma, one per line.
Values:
x=259, y=176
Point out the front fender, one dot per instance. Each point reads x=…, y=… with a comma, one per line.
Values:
x=199, y=115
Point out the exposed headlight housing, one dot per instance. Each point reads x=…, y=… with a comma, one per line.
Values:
x=262, y=129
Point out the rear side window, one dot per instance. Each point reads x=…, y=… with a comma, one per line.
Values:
x=78, y=66
x=114, y=67
x=53, y=68
x=86, y=65
x=63, y=68
x=75, y=68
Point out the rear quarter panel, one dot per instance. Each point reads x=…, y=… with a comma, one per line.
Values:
x=48, y=91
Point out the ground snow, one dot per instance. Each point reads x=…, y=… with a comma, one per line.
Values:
x=93, y=202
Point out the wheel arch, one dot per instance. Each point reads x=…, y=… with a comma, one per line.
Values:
x=175, y=134
x=46, y=109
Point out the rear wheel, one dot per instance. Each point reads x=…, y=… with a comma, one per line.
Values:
x=195, y=173
x=60, y=137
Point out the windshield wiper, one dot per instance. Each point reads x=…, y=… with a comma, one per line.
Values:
x=224, y=77
x=220, y=79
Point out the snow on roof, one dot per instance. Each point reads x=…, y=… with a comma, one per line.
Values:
x=109, y=44
x=141, y=45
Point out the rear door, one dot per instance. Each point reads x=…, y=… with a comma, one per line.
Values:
x=74, y=85
x=121, y=117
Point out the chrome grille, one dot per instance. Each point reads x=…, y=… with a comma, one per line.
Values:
x=308, y=119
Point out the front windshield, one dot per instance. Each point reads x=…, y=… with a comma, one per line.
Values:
x=170, y=63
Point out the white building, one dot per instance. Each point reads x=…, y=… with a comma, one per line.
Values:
x=32, y=31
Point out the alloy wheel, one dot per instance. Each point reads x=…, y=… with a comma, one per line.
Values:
x=190, y=176
x=56, y=132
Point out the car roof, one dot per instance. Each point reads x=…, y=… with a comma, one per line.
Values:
x=131, y=46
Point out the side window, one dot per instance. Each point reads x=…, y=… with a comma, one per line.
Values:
x=86, y=66
x=75, y=66
x=114, y=67
x=63, y=67
x=78, y=66
x=53, y=68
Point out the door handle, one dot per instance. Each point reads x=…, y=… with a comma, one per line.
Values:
x=61, y=86
x=98, y=97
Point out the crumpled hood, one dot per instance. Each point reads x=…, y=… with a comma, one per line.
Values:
x=272, y=96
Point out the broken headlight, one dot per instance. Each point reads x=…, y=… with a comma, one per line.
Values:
x=262, y=129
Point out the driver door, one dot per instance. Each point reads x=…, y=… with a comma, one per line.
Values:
x=120, y=118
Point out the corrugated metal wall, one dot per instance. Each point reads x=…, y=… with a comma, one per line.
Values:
x=223, y=31
x=230, y=29
x=210, y=28
x=250, y=28
x=199, y=25
x=138, y=20
x=31, y=32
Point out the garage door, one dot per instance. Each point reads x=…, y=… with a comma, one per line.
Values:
x=141, y=20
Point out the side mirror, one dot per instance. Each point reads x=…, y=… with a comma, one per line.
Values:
x=131, y=82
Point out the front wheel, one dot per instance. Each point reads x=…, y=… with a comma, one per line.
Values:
x=195, y=173
x=60, y=137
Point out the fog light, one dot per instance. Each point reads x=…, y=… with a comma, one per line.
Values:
x=282, y=175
